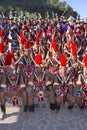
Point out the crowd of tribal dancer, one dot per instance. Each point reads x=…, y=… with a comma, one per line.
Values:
x=43, y=58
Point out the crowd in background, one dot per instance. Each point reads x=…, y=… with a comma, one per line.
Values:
x=43, y=57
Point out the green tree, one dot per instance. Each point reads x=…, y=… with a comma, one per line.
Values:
x=37, y=6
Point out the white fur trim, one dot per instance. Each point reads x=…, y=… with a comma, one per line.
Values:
x=30, y=83
x=22, y=85
x=55, y=83
x=48, y=83
x=3, y=85
x=78, y=82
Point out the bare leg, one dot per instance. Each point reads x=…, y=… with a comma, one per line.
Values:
x=2, y=100
x=71, y=100
x=24, y=100
x=31, y=101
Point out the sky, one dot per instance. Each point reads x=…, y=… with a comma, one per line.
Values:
x=78, y=5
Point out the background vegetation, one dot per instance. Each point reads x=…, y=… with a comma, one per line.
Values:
x=37, y=6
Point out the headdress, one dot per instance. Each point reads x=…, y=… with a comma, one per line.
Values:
x=1, y=48
x=73, y=50
x=85, y=60
x=1, y=33
x=37, y=38
x=27, y=44
x=63, y=60
x=8, y=59
x=38, y=59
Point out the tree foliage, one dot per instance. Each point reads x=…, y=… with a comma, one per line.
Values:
x=37, y=6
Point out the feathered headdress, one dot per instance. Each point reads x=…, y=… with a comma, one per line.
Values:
x=22, y=40
x=37, y=38
x=8, y=59
x=38, y=59
x=6, y=41
x=38, y=33
x=74, y=50
x=85, y=60
x=63, y=60
x=1, y=48
x=21, y=34
x=27, y=44
x=1, y=33
x=70, y=42
x=54, y=34
x=54, y=46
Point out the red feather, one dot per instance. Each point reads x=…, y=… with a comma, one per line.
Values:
x=1, y=48
x=38, y=59
x=21, y=34
x=38, y=34
x=22, y=40
x=55, y=47
x=85, y=60
x=27, y=44
x=8, y=58
x=6, y=41
x=37, y=37
x=70, y=43
x=37, y=41
x=63, y=60
x=74, y=50
x=1, y=33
